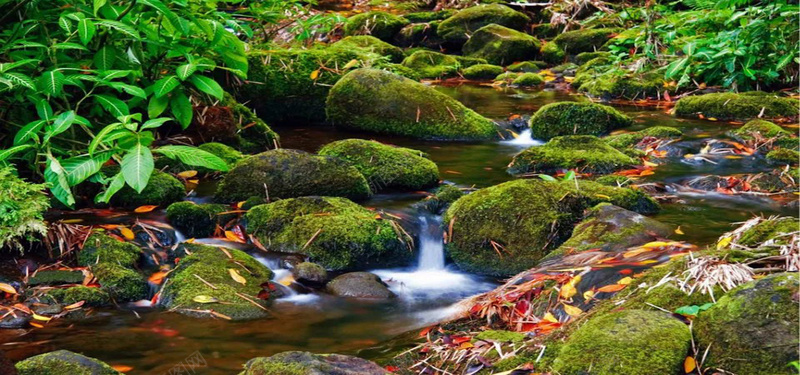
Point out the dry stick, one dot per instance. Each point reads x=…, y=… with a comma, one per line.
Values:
x=212, y=286
x=451, y=113
x=312, y=238
x=251, y=301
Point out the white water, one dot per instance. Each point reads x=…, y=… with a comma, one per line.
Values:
x=431, y=248
x=524, y=139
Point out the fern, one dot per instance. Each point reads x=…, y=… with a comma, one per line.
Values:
x=21, y=207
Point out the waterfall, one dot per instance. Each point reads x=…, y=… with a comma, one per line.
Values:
x=524, y=139
x=431, y=249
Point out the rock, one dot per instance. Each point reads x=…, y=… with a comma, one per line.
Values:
x=63, y=362
x=500, y=45
x=583, y=57
x=482, y=71
x=759, y=129
x=198, y=220
x=382, y=102
x=457, y=29
x=731, y=106
x=552, y=53
x=628, y=140
x=381, y=25
x=569, y=118
x=371, y=44
x=430, y=16
x=122, y=284
x=359, y=285
x=254, y=135
x=507, y=77
x=429, y=64
x=629, y=342
x=783, y=156
x=752, y=329
x=95, y=297
x=584, y=153
x=590, y=40
x=611, y=86
x=285, y=173
x=22, y=206
x=305, y=363
x=187, y=292
x=102, y=248
x=567, y=69
x=445, y=195
x=527, y=66
x=524, y=220
x=385, y=166
x=419, y=34
x=14, y=322
x=312, y=273
x=527, y=80
x=161, y=190
x=55, y=277
x=333, y=232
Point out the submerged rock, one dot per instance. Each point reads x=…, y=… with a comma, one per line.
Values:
x=732, y=106
x=161, y=190
x=63, y=362
x=285, y=173
x=457, y=29
x=569, y=118
x=482, y=71
x=382, y=102
x=753, y=328
x=629, y=342
x=385, y=166
x=379, y=24
x=430, y=64
x=333, y=232
x=122, y=284
x=528, y=79
x=500, y=45
x=197, y=220
x=584, y=153
x=304, y=363
x=371, y=44
x=527, y=66
x=94, y=297
x=55, y=277
x=359, y=285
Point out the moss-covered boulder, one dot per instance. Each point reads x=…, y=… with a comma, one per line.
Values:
x=63, y=362
x=629, y=342
x=430, y=16
x=22, y=207
x=101, y=248
x=732, y=106
x=379, y=24
x=371, y=44
x=254, y=135
x=482, y=71
x=506, y=78
x=189, y=286
x=753, y=328
x=307, y=272
x=508, y=228
x=304, y=363
x=552, y=53
x=590, y=40
x=333, y=232
x=122, y=284
x=444, y=196
x=161, y=190
x=627, y=140
x=382, y=102
x=419, y=35
x=528, y=80
x=385, y=166
x=500, y=45
x=285, y=173
x=527, y=66
x=584, y=57
x=783, y=156
x=430, y=64
x=612, y=86
x=458, y=28
x=584, y=153
x=570, y=118
x=759, y=129
x=94, y=297
x=359, y=285
x=55, y=277
x=197, y=220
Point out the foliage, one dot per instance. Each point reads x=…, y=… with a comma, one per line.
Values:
x=21, y=208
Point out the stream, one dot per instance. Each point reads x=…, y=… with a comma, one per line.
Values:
x=152, y=341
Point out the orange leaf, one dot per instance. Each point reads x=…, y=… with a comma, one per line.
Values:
x=157, y=277
x=678, y=230
x=234, y=237
x=612, y=288
x=74, y=305
x=127, y=233
x=236, y=276
x=122, y=368
x=7, y=288
x=689, y=364
x=143, y=209
x=466, y=345
x=188, y=174
x=315, y=74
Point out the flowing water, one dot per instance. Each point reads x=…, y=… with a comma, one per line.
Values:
x=152, y=341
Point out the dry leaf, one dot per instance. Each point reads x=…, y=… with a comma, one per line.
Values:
x=315, y=74
x=188, y=174
x=122, y=368
x=611, y=288
x=143, y=209
x=42, y=318
x=234, y=237
x=678, y=230
x=689, y=364
x=236, y=276
x=74, y=305
x=7, y=288
x=572, y=310
x=724, y=242
x=204, y=299
x=126, y=233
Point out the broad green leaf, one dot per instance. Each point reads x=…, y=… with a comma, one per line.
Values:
x=56, y=179
x=675, y=68
x=86, y=30
x=44, y=110
x=104, y=58
x=547, y=177
x=19, y=79
x=165, y=85
x=193, y=156
x=113, y=105
x=117, y=183
x=156, y=106
x=182, y=109
x=29, y=131
x=79, y=168
x=137, y=166
x=154, y=123
x=207, y=85
x=9, y=152
x=100, y=137
x=130, y=89
x=62, y=122
x=51, y=82
x=69, y=45
x=5, y=67
x=121, y=27
x=97, y=4
x=569, y=176
x=65, y=24
x=111, y=75
x=185, y=70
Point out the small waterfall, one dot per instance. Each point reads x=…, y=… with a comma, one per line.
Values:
x=431, y=248
x=523, y=139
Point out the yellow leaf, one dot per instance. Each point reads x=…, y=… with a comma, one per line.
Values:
x=678, y=230
x=193, y=181
x=465, y=345
x=688, y=156
x=42, y=318
x=587, y=295
x=712, y=119
x=572, y=310
x=188, y=174
x=568, y=290
x=204, y=299
x=230, y=235
x=724, y=242
x=603, y=196
x=625, y=280
x=689, y=364
x=236, y=276
x=240, y=204
x=143, y=209
x=127, y=233
x=7, y=288
x=315, y=74
x=350, y=64
x=650, y=164
x=550, y=318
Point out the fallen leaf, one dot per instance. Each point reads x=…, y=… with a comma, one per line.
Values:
x=568, y=290
x=37, y=325
x=588, y=295
x=204, y=299
x=157, y=277
x=689, y=364
x=349, y=65
x=7, y=288
x=678, y=230
x=724, y=242
x=74, y=305
x=122, y=368
x=188, y=174
x=127, y=233
x=611, y=288
x=234, y=237
x=549, y=318
x=625, y=281
x=572, y=310
x=221, y=315
x=143, y=209
x=42, y=318
x=237, y=277
x=315, y=74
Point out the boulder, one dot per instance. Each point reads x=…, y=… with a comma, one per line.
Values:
x=457, y=29
x=333, y=232
x=482, y=71
x=102, y=248
x=430, y=16
x=63, y=362
x=359, y=285
x=628, y=342
x=305, y=363
x=589, y=40
x=626, y=141
x=379, y=24
x=584, y=57
x=382, y=102
x=55, y=277
x=732, y=106
x=757, y=128
x=429, y=64
x=94, y=297
x=285, y=173
x=753, y=329
x=783, y=156
x=188, y=287
x=385, y=166
x=370, y=44
x=310, y=273
x=527, y=80
x=571, y=118
x=419, y=34
x=444, y=196
x=500, y=45
x=22, y=207
x=198, y=220
x=612, y=86
x=584, y=153
x=122, y=284
x=527, y=66
x=552, y=53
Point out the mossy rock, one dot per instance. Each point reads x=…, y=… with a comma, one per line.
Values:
x=527, y=66
x=783, y=156
x=629, y=342
x=311, y=273
x=590, y=40
x=385, y=166
x=564, y=68
x=528, y=80
x=430, y=64
x=333, y=232
x=773, y=230
x=371, y=44
x=62, y=362
x=457, y=29
x=291, y=173
x=527, y=218
x=213, y=265
x=759, y=129
x=55, y=277
x=583, y=57
x=419, y=34
x=359, y=285
x=379, y=24
x=500, y=45
x=444, y=196
x=585, y=153
x=628, y=140
x=430, y=16
x=122, y=284
x=630, y=86
x=22, y=207
x=501, y=336
x=507, y=77
x=545, y=30
x=552, y=53
x=254, y=134
x=732, y=106
x=101, y=248
x=382, y=102
x=570, y=118
x=230, y=155
x=753, y=329
x=94, y=297
x=197, y=220
x=482, y=71
x=161, y=190
x=305, y=363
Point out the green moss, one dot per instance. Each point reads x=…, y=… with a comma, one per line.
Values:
x=628, y=140
x=585, y=153
x=629, y=86
x=419, y=34
x=500, y=45
x=430, y=16
x=371, y=44
x=732, y=106
x=613, y=180
x=56, y=277
x=528, y=79
x=213, y=266
x=459, y=27
x=563, y=68
x=385, y=166
x=752, y=329
x=304, y=363
x=759, y=128
x=567, y=118
x=527, y=66
x=285, y=173
x=629, y=342
x=774, y=229
x=161, y=190
x=22, y=206
x=261, y=366
x=501, y=336
x=63, y=362
x=254, y=134
x=783, y=156
x=552, y=53
x=122, y=284
x=333, y=232
x=574, y=42
x=95, y=297
x=584, y=57
x=482, y=71
x=429, y=64
x=545, y=30
x=101, y=248
x=382, y=102
x=197, y=220
x=507, y=77
x=381, y=25
x=445, y=195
